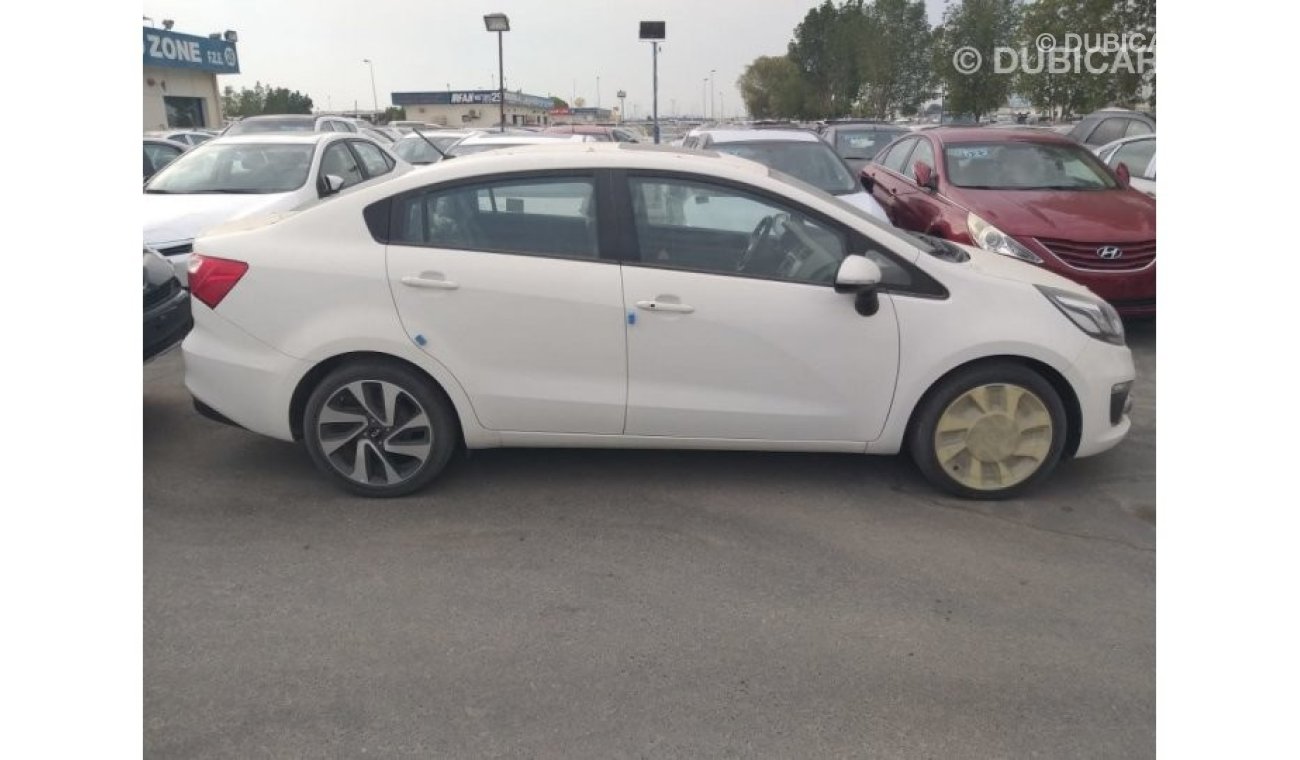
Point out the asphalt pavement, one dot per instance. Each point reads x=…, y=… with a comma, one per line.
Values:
x=628, y=604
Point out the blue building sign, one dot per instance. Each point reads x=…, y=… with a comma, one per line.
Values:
x=467, y=97
x=174, y=50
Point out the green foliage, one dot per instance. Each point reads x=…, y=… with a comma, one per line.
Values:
x=983, y=25
x=263, y=99
x=772, y=87
x=559, y=102
x=393, y=113
x=1070, y=93
x=893, y=58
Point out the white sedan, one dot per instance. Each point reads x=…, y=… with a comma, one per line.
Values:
x=1138, y=154
x=563, y=296
x=231, y=178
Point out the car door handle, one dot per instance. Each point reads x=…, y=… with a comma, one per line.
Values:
x=432, y=283
x=679, y=308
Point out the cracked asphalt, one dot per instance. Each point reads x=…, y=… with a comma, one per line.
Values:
x=620, y=604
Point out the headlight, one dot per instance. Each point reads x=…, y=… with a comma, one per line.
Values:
x=1094, y=316
x=991, y=238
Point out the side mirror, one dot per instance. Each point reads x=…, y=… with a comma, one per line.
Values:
x=925, y=176
x=861, y=276
x=1121, y=173
x=867, y=182
x=331, y=185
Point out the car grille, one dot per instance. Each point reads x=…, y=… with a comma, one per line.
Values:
x=176, y=250
x=1135, y=255
x=161, y=293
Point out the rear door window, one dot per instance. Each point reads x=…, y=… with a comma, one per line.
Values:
x=372, y=158
x=1108, y=130
x=897, y=156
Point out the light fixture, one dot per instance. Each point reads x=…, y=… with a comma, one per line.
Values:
x=497, y=22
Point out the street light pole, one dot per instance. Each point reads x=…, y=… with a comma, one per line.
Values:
x=499, y=23
x=704, y=99
x=373, y=92
x=715, y=111
x=622, y=106
x=654, y=31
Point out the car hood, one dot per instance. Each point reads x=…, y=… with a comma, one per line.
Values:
x=174, y=218
x=1002, y=267
x=1104, y=216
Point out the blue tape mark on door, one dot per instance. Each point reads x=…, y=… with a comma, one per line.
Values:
x=631, y=317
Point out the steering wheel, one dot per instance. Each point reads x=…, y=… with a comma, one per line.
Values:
x=757, y=241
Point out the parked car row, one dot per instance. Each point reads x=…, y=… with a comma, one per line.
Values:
x=749, y=291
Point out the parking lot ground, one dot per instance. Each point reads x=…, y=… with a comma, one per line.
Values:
x=608, y=604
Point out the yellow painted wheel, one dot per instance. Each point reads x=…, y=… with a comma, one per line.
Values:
x=993, y=436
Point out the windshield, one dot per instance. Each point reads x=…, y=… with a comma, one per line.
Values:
x=262, y=126
x=1025, y=166
x=236, y=168
x=414, y=150
x=863, y=143
x=812, y=162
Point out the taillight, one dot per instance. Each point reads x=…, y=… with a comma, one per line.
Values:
x=212, y=278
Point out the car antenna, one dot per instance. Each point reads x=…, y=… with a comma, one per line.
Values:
x=417, y=131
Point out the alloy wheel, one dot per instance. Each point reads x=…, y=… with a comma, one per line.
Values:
x=374, y=432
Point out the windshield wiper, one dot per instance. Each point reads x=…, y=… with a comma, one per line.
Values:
x=158, y=192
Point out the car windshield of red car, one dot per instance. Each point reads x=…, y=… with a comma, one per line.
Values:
x=1025, y=166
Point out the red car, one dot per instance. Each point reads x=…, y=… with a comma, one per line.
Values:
x=1030, y=194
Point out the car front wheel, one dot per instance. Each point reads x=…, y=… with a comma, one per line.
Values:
x=379, y=429
x=990, y=431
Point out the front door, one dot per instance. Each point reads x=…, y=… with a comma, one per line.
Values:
x=500, y=280
x=735, y=330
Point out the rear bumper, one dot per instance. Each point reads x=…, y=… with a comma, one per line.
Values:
x=238, y=377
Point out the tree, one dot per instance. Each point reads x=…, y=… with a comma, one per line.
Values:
x=894, y=58
x=981, y=25
x=823, y=51
x=263, y=99
x=559, y=102
x=772, y=88
x=393, y=113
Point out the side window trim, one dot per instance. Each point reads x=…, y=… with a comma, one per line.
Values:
x=856, y=241
x=397, y=201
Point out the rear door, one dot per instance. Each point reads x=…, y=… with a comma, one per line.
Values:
x=887, y=177
x=501, y=280
x=918, y=208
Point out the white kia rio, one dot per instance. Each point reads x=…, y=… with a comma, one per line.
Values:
x=584, y=295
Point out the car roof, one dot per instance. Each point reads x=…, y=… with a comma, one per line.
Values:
x=518, y=138
x=978, y=134
x=761, y=135
x=282, y=138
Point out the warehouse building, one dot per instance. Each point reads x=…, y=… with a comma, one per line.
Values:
x=474, y=108
x=180, y=77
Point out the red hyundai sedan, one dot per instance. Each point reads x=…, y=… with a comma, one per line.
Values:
x=1029, y=194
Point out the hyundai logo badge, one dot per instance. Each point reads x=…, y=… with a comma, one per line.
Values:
x=1110, y=252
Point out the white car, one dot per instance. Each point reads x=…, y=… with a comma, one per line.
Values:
x=557, y=296
x=1138, y=153
x=482, y=142
x=235, y=177
x=799, y=153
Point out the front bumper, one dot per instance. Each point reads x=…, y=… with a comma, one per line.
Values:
x=1096, y=372
x=167, y=323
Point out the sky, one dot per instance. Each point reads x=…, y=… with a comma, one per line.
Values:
x=555, y=47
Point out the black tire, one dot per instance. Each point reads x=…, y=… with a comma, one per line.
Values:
x=387, y=472
x=924, y=445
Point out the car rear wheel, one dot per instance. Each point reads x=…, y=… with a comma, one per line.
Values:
x=990, y=431
x=379, y=429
